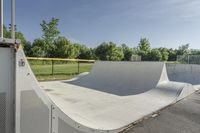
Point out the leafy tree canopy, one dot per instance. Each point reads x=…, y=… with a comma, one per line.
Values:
x=50, y=30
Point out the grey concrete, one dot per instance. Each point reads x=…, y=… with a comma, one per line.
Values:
x=115, y=94
x=110, y=97
x=123, y=78
x=188, y=73
x=182, y=117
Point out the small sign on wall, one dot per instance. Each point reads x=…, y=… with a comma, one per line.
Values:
x=21, y=63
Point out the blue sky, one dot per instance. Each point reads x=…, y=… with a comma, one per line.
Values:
x=166, y=23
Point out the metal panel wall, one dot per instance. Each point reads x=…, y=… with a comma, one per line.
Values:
x=35, y=113
x=7, y=74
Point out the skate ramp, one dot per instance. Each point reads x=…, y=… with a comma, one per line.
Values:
x=123, y=78
x=188, y=73
x=115, y=94
x=124, y=93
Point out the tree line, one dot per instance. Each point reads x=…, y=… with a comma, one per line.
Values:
x=53, y=45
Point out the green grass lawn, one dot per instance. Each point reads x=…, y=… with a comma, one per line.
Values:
x=43, y=72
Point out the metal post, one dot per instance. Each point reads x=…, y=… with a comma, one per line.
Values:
x=52, y=68
x=78, y=67
x=1, y=17
x=13, y=19
x=188, y=59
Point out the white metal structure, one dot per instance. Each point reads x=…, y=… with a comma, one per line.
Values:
x=1, y=18
x=13, y=19
x=7, y=84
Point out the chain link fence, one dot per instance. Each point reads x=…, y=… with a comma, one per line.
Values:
x=136, y=58
x=57, y=69
x=188, y=59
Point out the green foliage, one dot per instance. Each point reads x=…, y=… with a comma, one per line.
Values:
x=195, y=52
x=109, y=52
x=39, y=44
x=37, y=52
x=86, y=53
x=50, y=30
x=59, y=48
x=128, y=52
x=172, y=54
x=164, y=53
x=28, y=49
x=144, y=48
x=51, y=44
x=63, y=49
x=183, y=49
x=155, y=55
x=6, y=32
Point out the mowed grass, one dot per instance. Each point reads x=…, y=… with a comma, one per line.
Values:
x=44, y=72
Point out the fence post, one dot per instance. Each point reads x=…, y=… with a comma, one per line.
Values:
x=52, y=69
x=78, y=67
x=188, y=59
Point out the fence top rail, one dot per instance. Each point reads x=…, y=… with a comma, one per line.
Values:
x=60, y=59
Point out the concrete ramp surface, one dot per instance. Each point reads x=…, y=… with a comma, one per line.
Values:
x=115, y=94
x=123, y=78
x=188, y=73
x=109, y=98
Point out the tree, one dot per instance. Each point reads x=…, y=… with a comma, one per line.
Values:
x=194, y=51
x=101, y=51
x=50, y=31
x=115, y=53
x=37, y=51
x=144, y=48
x=28, y=49
x=6, y=32
x=155, y=55
x=164, y=53
x=128, y=52
x=183, y=49
x=109, y=51
x=62, y=48
x=39, y=44
x=85, y=53
x=172, y=54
